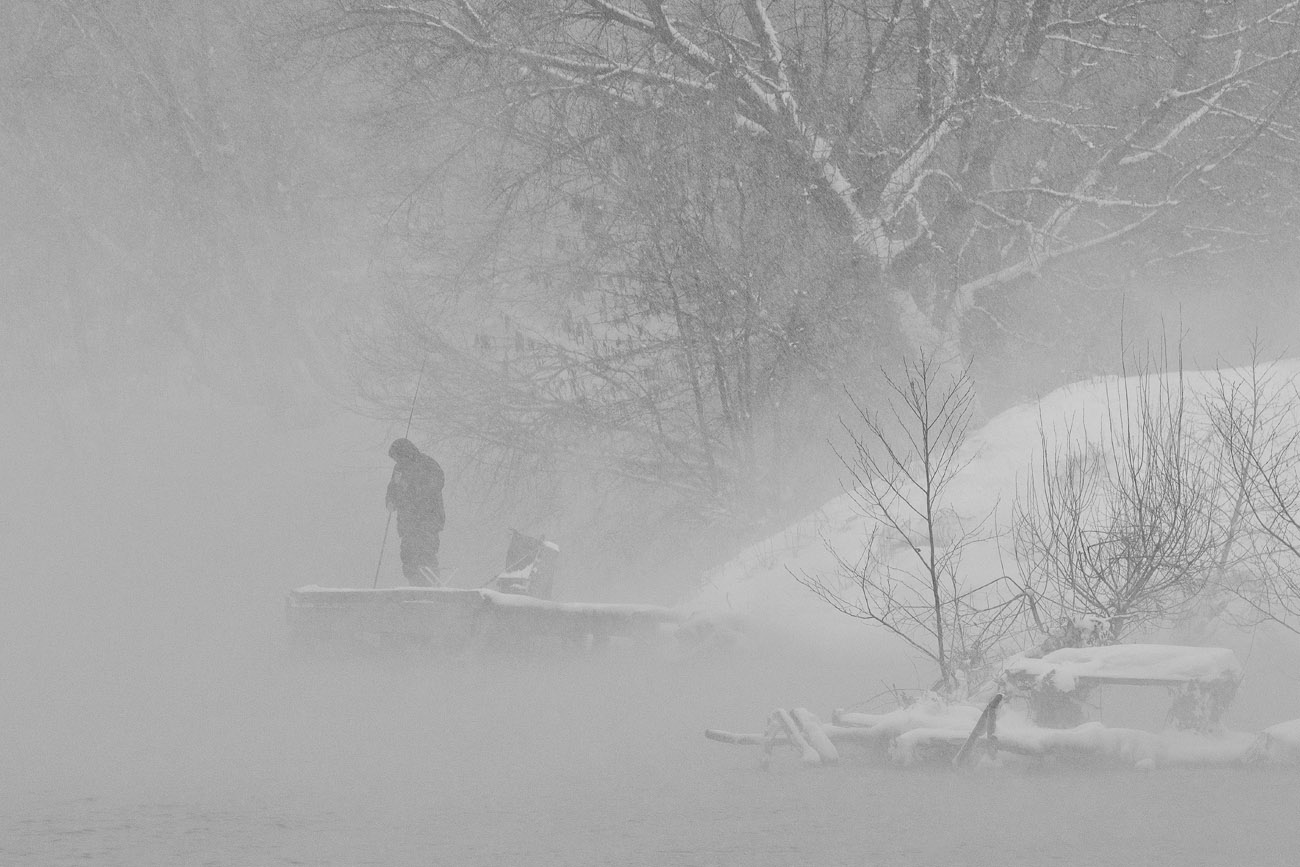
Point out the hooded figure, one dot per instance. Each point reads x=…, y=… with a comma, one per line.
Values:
x=415, y=494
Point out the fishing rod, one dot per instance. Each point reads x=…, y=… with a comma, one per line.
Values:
x=409, y=418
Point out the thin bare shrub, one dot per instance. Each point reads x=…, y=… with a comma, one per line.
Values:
x=908, y=579
x=1116, y=527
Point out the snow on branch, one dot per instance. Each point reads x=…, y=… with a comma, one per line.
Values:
x=1178, y=128
x=568, y=68
x=761, y=24
x=917, y=156
x=673, y=38
x=1043, y=255
x=1237, y=74
x=1077, y=198
x=1272, y=18
x=610, y=12
x=1099, y=47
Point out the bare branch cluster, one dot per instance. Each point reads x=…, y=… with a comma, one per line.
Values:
x=1118, y=526
x=986, y=141
x=1252, y=412
x=1178, y=508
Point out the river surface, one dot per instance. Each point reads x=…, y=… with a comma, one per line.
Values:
x=568, y=761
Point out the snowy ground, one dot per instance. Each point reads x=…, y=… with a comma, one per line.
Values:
x=151, y=713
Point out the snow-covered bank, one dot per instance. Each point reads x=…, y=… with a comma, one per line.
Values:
x=759, y=587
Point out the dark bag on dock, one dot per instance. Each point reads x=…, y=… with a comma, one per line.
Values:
x=530, y=566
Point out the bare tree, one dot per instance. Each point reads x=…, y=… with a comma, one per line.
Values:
x=1119, y=526
x=961, y=149
x=909, y=579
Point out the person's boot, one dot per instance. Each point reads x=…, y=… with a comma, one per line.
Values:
x=417, y=576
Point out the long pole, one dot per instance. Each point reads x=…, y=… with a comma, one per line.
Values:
x=409, y=418
x=382, y=545
x=419, y=380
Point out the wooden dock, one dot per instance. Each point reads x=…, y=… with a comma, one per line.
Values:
x=460, y=618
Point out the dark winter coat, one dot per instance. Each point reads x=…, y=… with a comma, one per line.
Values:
x=415, y=491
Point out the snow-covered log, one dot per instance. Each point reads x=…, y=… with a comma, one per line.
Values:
x=783, y=721
x=1134, y=747
x=741, y=739
x=1280, y=744
x=932, y=731
x=985, y=727
x=811, y=728
x=877, y=732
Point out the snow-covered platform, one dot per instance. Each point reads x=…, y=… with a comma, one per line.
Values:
x=459, y=618
x=1135, y=664
x=1203, y=680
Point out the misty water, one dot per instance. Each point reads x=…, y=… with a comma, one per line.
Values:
x=154, y=711
x=297, y=207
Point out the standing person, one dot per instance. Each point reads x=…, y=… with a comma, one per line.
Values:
x=415, y=494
